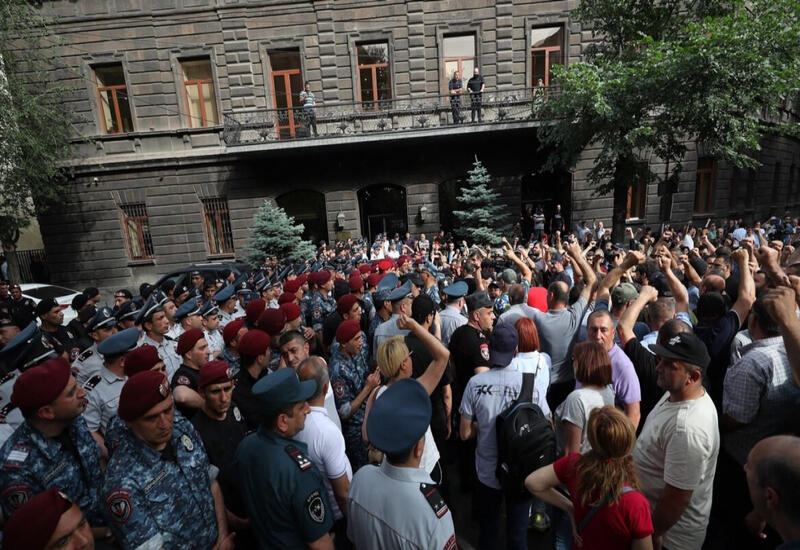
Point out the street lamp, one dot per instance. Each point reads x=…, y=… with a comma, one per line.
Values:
x=340, y=217
x=423, y=212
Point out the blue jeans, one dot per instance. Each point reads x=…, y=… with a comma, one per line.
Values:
x=490, y=502
x=563, y=529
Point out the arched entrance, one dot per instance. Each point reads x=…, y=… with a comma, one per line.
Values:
x=383, y=210
x=308, y=208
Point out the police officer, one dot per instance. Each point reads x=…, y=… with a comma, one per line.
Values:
x=294, y=513
x=321, y=303
x=273, y=321
x=254, y=353
x=155, y=325
x=187, y=317
x=102, y=389
x=52, y=447
x=51, y=317
x=401, y=303
x=126, y=315
x=22, y=309
x=193, y=349
x=89, y=362
x=221, y=426
x=226, y=302
x=48, y=520
x=210, y=319
x=451, y=316
x=231, y=335
x=430, y=275
x=160, y=490
x=396, y=504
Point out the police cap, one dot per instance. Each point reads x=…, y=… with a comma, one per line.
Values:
x=282, y=388
x=399, y=417
x=119, y=343
x=103, y=318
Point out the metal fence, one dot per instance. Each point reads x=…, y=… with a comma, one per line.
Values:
x=33, y=266
x=383, y=116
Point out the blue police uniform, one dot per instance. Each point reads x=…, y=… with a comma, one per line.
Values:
x=161, y=498
x=33, y=462
x=234, y=362
x=319, y=308
x=348, y=376
x=501, y=303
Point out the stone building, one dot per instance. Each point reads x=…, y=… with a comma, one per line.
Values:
x=190, y=116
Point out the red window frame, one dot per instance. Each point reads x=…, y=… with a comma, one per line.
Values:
x=136, y=214
x=202, y=100
x=374, y=71
x=459, y=60
x=114, y=103
x=547, y=50
x=219, y=236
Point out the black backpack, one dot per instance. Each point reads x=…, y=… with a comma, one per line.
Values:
x=525, y=440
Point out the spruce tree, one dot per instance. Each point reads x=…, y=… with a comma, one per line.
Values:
x=482, y=220
x=274, y=233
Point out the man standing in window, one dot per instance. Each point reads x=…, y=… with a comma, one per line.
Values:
x=476, y=87
x=309, y=102
x=456, y=87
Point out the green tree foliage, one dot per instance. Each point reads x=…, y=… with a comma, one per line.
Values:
x=274, y=233
x=482, y=221
x=35, y=130
x=667, y=71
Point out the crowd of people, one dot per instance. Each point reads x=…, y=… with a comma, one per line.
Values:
x=622, y=395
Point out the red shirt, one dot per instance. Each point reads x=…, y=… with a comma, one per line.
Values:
x=614, y=526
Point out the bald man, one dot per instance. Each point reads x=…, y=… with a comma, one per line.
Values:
x=773, y=475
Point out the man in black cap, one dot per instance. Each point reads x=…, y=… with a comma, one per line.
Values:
x=51, y=317
x=295, y=512
x=122, y=296
x=22, y=309
x=88, y=363
x=397, y=504
x=676, y=453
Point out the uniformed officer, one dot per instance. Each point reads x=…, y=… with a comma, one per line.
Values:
x=102, y=389
x=226, y=302
x=430, y=275
x=383, y=311
x=253, y=311
x=51, y=317
x=155, y=325
x=254, y=353
x=273, y=321
x=221, y=426
x=126, y=315
x=396, y=504
x=451, y=316
x=294, y=513
x=321, y=304
x=22, y=309
x=401, y=303
x=52, y=447
x=231, y=335
x=187, y=317
x=159, y=489
x=47, y=521
x=210, y=319
x=352, y=383
x=193, y=349
x=89, y=362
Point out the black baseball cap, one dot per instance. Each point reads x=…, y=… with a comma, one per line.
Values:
x=686, y=347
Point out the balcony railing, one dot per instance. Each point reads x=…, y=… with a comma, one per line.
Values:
x=383, y=116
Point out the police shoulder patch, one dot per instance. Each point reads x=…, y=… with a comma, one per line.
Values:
x=299, y=458
x=237, y=414
x=315, y=507
x=187, y=443
x=339, y=387
x=485, y=351
x=434, y=498
x=16, y=495
x=183, y=381
x=118, y=503
x=85, y=355
x=92, y=382
x=451, y=543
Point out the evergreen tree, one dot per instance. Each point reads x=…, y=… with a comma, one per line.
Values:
x=482, y=221
x=274, y=233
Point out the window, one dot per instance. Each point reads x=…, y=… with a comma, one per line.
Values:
x=704, y=185
x=547, y=49
x=374, y=80
x=136, y=228
x=112, y=94
x=287, y=83
x=199, y=93
x=637, y=195
x=218, y=226
x=459, y=55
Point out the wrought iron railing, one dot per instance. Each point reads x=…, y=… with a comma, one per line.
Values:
x=382, y=116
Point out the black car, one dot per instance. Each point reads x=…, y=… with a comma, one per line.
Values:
x=210, y=271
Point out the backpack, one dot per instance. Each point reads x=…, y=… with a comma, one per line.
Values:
x=525, y=440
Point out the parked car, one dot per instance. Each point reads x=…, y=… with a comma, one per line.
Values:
x=211, y=270
x=63, y=297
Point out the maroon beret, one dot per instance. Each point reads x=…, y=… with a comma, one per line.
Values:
x=364, y=269
x=230, y=330
x=142, y=391
x=373, y=279
x=42, y=384
x=292, y=286
x=320, y=277
x=255, y=342
x=345, y=303
x=214, y=372
x=347, y=331
x=355, y=283
x=403, y=259
x=291, y=310
x=303, y=278
x=32, y=525
x=272, y=321
x=253, y=309
x=385, y=265
x=188, y=339
x=286, y=298
x=141, y=359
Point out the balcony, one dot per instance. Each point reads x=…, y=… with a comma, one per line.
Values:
x=393, y=118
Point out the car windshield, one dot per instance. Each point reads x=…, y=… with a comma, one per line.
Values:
x=43, y=292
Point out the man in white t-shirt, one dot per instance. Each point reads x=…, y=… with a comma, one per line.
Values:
x=326, y=443
x=676, y=454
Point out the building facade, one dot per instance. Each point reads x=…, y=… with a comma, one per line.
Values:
x=190, y=115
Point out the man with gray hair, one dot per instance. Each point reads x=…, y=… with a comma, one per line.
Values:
x=326, y=446
x=517, y=295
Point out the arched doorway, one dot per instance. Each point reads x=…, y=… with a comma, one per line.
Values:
x=308, y=208
x=383, y=210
